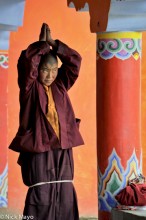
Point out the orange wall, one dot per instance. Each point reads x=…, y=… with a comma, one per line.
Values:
x=73, y=29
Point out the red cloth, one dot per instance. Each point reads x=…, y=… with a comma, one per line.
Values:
x=133, y=195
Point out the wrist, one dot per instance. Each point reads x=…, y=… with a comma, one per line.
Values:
x=52, y=43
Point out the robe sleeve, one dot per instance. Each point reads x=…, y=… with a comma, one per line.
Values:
x=71, y=62
x=28, y=64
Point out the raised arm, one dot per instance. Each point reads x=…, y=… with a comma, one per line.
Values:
x=29, y=61
x=71, y=61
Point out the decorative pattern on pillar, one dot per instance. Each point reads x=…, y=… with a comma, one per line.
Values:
x=120, y=48
x=4, y=59
x=3, y=129
x=118, y=114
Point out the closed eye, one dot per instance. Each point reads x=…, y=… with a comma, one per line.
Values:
x=55, y=69
x=45, y=70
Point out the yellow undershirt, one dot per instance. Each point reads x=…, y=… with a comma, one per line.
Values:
x=52, y=115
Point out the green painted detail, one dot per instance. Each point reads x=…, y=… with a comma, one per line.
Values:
x=114, y=183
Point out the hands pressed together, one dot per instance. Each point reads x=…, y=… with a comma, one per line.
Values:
x=45, y=35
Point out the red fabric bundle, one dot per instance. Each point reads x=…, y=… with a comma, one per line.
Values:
x=132, y=195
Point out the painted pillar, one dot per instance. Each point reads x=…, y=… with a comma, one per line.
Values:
x=3, y=129
x=118, y=114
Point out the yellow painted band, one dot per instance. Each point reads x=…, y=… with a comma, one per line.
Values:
x=119, y=35
x=3, y=51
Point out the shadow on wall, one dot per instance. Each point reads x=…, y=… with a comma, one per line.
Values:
x=98, y=10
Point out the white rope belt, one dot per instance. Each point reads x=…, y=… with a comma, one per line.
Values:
x=57, y=181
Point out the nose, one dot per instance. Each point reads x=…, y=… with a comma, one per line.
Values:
x=49, y=75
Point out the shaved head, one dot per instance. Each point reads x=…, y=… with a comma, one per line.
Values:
x=50, y=58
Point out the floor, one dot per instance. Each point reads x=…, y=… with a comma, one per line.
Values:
x=6, y=213
x=84, y=218
x=128, y=215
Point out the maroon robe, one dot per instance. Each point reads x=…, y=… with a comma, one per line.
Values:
x=55, y=201
x=42, y=156
x=35, y=134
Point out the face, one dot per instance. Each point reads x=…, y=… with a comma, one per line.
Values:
x=48, y=73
